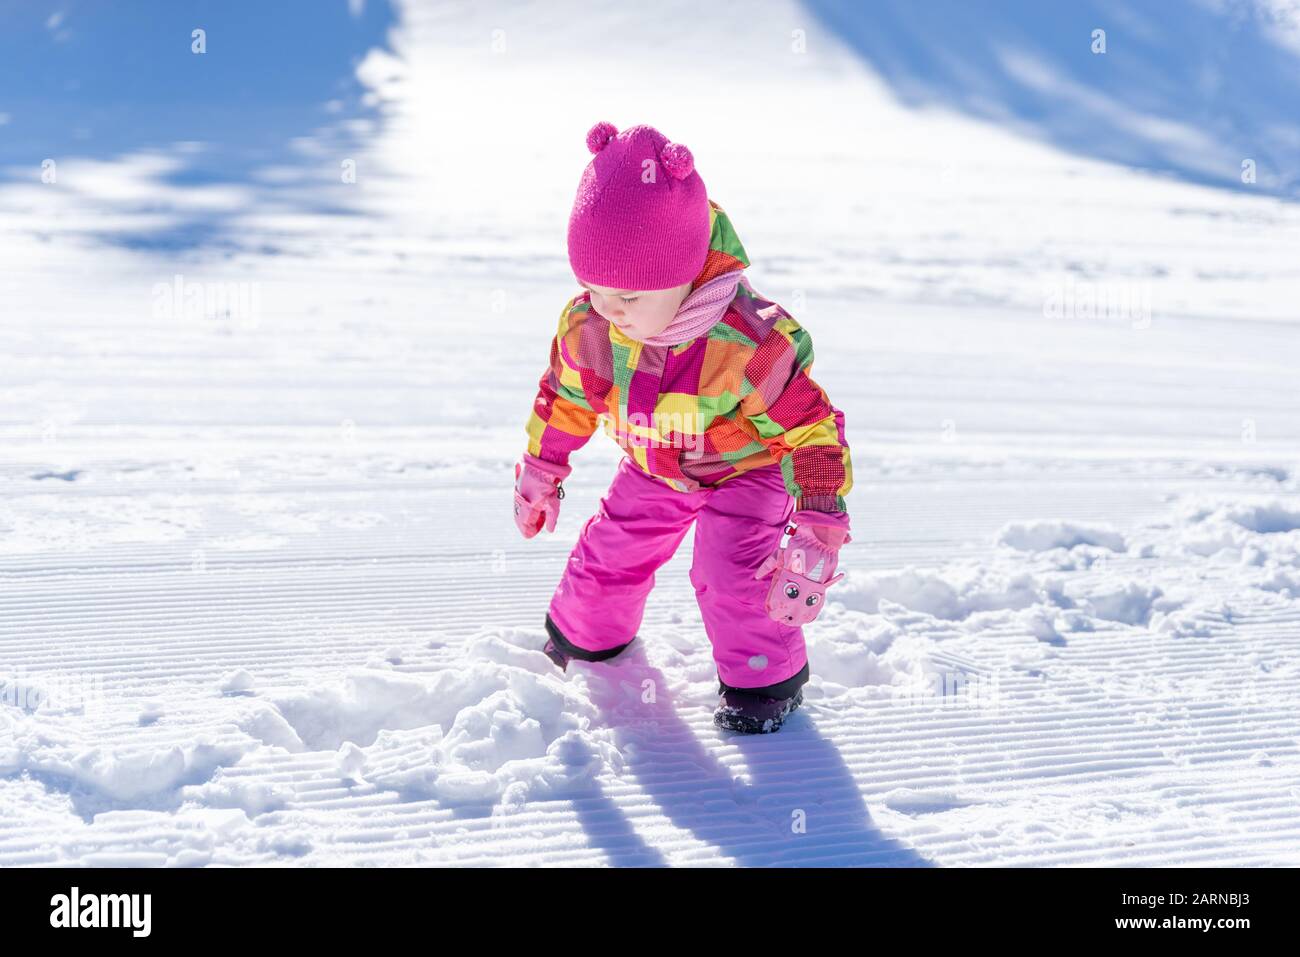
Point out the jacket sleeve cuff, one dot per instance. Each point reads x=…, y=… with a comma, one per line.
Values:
x=560, y=470
x=830, y=504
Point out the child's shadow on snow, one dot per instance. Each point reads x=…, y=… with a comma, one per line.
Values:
x=799, y=805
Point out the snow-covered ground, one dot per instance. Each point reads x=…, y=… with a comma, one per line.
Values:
x=262, y=599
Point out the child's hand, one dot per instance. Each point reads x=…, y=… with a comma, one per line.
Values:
x=795, y=597
x=537, y=494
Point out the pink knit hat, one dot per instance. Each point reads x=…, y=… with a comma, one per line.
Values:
x=641, y=217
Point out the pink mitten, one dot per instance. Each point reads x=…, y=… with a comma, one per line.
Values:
x=537, y=494
x=811, y=539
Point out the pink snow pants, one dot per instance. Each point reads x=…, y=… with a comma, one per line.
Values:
x=599, y=601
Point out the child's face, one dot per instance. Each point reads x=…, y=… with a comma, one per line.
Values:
x=639, y=314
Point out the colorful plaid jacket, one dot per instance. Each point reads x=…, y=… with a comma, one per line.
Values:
x=697, y=414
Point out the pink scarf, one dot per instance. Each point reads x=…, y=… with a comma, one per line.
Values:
x=701, y=309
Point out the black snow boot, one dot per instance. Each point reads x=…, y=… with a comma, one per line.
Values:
x=560, y=650
x=759, y=710
x=753, y=713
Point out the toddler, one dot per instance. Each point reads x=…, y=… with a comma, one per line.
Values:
x=705, y=385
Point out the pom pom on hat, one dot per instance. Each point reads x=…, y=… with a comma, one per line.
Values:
x=677, y=159
x=599, y=135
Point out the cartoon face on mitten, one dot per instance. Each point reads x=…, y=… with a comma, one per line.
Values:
x=794, y=598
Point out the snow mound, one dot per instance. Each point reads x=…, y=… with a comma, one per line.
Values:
x=1266, y=518
x=366, y=702
x=125, y=775
x=249, y=795
x=236, y=683
x=1263, y=532
x=916, y=801
x=1282, y=581
x=494, y=753
x=977, y=596
x=501, y=728
x=1045, y=535
x=1198, y=622
x=853, y=653
x=953, y=594
x=1130, y=603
